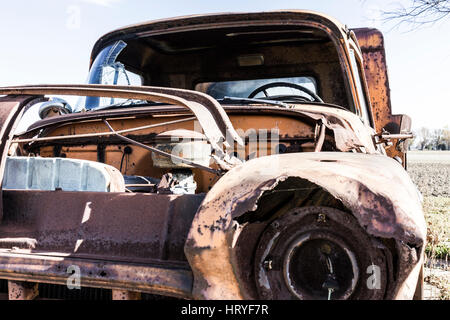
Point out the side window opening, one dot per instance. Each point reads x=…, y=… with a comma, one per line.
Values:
x=359, y=88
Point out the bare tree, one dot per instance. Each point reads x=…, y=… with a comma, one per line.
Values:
x=446, y=138
x=423, y=138
x=426, y=139
x=437, y=138
x=419, y=12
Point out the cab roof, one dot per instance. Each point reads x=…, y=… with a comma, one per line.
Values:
x=304, y=18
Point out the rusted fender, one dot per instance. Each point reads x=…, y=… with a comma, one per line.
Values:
x=375, y=188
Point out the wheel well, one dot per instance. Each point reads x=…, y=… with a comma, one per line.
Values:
x=291, y=193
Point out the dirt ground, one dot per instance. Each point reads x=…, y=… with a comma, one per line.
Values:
x=430, y=170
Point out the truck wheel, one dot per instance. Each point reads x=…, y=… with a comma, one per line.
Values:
x=318, y=253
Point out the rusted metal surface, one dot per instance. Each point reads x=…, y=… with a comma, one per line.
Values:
x=125, y=295
x=95, y=231
x=349, y=132
x=375, y=189
x=222, y=20
x=371, y=43
x=162, y=153
x=93, y=223
x=21, y=290
x=100, y=134
x=95, y=273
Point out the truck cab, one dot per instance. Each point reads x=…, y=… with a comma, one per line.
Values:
x=222, y=156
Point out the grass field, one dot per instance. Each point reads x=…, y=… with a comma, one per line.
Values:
x=430, y=171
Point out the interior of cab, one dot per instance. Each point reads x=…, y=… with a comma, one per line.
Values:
x=229, y=62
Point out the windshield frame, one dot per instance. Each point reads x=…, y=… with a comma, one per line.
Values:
x=108, y=58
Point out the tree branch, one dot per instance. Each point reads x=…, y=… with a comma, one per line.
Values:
x=420, y=12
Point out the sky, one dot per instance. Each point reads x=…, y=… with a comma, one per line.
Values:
x=50, y=41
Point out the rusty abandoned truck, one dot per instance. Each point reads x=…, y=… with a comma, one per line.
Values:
x=221, y=156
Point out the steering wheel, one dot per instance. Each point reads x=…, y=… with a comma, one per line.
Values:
x=284, y=84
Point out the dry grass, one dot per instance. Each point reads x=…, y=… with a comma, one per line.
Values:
x=437, y=276
x=439, y=281
x=437, y=215
x=430, y=171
